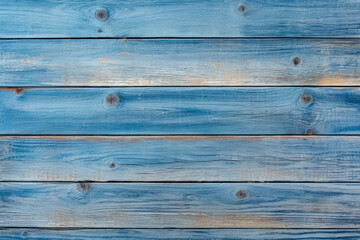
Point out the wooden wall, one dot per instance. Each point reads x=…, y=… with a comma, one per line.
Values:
x=169, y=119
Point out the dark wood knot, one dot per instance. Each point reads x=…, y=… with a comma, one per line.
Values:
x=101, y=15
x=296, y=61
x=19, y=90
x=112, y=100
x=242, y=8
x=240, y=194
x=83, y=187
x=306, y=99
x=111, y=165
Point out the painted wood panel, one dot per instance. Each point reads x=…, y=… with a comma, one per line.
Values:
x=204, y=205
x=224, y=234
x=181, y=158
x=178, y=110
x=190, y=62
x=175, y=18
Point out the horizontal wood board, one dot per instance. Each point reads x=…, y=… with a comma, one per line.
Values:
x=204, y=205
x=182, y=158
x=225, y=234
x=185, y=62
x=159, y=110
x=180, y=18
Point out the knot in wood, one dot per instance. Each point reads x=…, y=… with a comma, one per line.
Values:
x=101, y=15
x=83, y=187
x=240, y=194
x=296, y=61
x=306, y=99
x=242, y=8
x=19, y=90
x=111, y=165
x=112, y=100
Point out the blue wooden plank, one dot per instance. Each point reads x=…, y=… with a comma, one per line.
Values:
x=195, y=205
x=191, y=62
x=181, y=158
x=180, y=18
x=178, y=110
x=215, y=234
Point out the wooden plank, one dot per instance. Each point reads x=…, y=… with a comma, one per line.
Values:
x=215, y=62
x=180, y=18
x=224, y=234
x=182, y=158
x=177, y=110
x=195, y=205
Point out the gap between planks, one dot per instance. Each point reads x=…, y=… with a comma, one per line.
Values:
x=184, y=182
x=170, y=228
x=20, y=89
x=186, y=38
x=164, y=136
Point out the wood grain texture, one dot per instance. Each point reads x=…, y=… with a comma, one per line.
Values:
x=200, y=110
x=329, y=159
x=175, y=18
x=215, y=234
x=191, y=62
x=204, y=205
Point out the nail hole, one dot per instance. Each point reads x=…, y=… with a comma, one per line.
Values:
x=240, y=194
x=100, y=30
x=296, y=61
x=112, y=165
x=242, y=8
x=112, y=100
x=101, y=15
x=306, y=99
x=25, y=233
x=83, y=187
x=309, y=132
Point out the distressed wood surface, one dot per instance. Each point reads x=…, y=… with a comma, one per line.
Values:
x=177, y=110
x=225, y=62
x=175, y=18
x=224, y=234
x=201, y=205
x=182, y=158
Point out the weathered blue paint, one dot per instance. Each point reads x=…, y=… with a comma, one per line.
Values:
x=180, y=158
x=109, y=62
x=200, y=205
x=200, y=234
x=178, y=110
x=180, y=18
x=219, y=110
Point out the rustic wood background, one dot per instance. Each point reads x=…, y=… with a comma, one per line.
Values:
x=169, y=119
